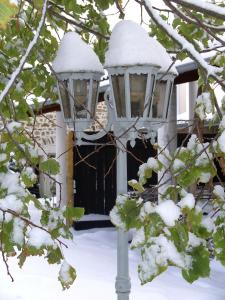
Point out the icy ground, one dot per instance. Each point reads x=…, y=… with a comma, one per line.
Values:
x=93, y=252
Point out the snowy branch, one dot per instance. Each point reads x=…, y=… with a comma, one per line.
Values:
x=29, y=222
x=193, y=20
x=184, y=44
x=23, y=60
x=205, y=7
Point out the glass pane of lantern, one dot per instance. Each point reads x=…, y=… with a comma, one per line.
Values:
x=119, y=94
x=137, y=94
x=65, y=99
x=94, y=98
x=150, y=94
x=159, y=99
x=81, y=92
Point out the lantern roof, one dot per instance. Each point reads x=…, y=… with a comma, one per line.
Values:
x=74, y=55
x=131, y=45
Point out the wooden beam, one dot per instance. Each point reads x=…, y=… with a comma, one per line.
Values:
x=186, y=77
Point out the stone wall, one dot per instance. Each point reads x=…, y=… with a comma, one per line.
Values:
x=44, y=128
x=101, y=116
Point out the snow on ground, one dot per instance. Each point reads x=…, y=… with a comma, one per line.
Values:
x=93, y=253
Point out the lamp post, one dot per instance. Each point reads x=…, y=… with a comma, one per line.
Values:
x=139, y=96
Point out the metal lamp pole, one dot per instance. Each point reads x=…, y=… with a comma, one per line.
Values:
x=123, y=284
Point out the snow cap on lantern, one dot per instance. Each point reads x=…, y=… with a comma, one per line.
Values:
x=74, y=55
x=131, y=45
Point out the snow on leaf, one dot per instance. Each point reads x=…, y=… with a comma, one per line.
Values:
x=115, y=218
x=168, y=211
x=139, y=238
x=39, y=238
x=67, y=275
x=157, y=256
x=187, y=201
x=203, y=105
x=218, y=191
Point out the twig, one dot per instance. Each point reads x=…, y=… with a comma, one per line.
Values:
x=84, y=160
x=29, y=222
x=72, y=21
x=111, y=166
x=120, y=9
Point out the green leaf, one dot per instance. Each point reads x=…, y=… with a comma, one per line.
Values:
x=157, y=271
x=200, y=264
x=54, y=256
x=103, y=4
x=6, y=237
x=189, y=176
x=219, y=242
x=67, y=275
x=45, y=217
x=136, y=186
x=27, y=180
x=50, y=166
x=179, y=235
x=22, y=258
x=193, y=219
x=129, y=213
x=73, y=213
x=153, y=225
x=7, y=11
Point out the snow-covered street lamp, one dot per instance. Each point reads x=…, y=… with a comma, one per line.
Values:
x=78, y=71
x=141, y=82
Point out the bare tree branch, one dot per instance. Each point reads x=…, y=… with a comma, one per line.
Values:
x=70, y=19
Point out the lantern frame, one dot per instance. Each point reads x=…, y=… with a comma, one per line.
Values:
x=145, y=123
x=82, y=122
x=126, y=71
x=168, y=79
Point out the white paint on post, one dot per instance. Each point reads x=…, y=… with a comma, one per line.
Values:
x=193, y=91
x=61, y=133
x=167, y=138
x=123, y=284
x=42, y=178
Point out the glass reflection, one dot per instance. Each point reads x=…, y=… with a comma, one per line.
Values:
x=65, y=99
x=81, y=91
x=94, y=98
x=137, y=94
x=119, y=94
x=159, y=99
